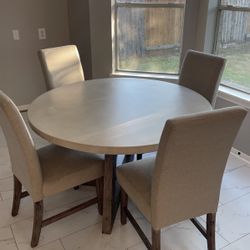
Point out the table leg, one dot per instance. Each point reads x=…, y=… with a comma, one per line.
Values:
x=111, y=192
x=108, y=193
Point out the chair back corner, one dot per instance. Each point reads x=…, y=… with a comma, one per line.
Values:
x=202, y=73
x=190, y=163
x=23, y=155
x=61, y=66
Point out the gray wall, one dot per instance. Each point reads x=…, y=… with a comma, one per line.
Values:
x=242, y=142
x=100, y=33
x=20, y=73
x=79, y=23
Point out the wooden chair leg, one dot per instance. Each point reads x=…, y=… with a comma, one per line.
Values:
x=99, y=192
x=211, y=218
x=156, y=239
x=16, y=196
x=124, y=205
x=37, y=223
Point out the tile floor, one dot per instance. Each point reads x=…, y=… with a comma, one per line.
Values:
x=83, y=229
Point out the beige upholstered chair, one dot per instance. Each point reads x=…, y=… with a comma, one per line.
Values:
x=46, y=171
x=183, y=181
x=202, y=73
x=61, y=66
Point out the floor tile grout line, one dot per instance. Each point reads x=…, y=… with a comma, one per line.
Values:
x=61, y=243
x=216, y=231
x=225, y=246
x=229, y=242
x=228, y=202
x=10, y=177
x=5, y=191
x=31, y=217
x=13, y=223
x=223, y=237
x=236, y=240
x=10, y=225
x=14, y=236
x=50, y=242
x=234, y=169
x=60, y=239
x=135, y=244
x=70, y=203
x=82, y=229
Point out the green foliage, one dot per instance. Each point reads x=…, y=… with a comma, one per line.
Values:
x=237, y=71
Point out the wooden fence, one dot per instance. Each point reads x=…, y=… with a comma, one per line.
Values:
x=235, y=25
x=141, y=30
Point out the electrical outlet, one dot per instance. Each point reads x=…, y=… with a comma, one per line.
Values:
x=15, y=34
x=41, y=33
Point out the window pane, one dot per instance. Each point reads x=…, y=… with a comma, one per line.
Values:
x=238, y=3
x=148, y=43
x=234, y=45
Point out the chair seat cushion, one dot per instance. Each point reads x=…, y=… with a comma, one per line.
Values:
x=135, y=179
x=64, y=168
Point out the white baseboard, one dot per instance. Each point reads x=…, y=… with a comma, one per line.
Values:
x=23, y=108
x=241, y=155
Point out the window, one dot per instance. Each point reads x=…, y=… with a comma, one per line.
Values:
x=233, y=42
x=148, y=35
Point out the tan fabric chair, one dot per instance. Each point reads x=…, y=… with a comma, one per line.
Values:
x=202, y=73
x=46, y=171
x=184, y=179
x=61, y=66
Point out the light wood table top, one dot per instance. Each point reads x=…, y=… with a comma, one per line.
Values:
x=111, y=116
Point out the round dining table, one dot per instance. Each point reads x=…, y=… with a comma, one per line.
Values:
x=111, y=116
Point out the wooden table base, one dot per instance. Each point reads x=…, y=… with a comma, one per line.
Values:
x=109, y=187
x=111, y=193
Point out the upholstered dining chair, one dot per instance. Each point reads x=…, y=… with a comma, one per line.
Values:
x=46, y=171
x=61, y=66
x=202, y=73
x=183, y=181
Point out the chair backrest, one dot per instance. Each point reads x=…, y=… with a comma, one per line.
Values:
x=61, y=66
x=23, y=155
x=202, y=73
x=190, y=163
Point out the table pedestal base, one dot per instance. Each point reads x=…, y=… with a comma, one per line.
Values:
x=111, y=192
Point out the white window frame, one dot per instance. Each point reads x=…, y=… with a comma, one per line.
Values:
x=115, y=43
x=221, y=8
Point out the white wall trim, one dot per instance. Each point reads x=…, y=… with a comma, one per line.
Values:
x=23, y=108
x=240, y=155
x=226, y=93
x=154, y=76
x=234, y=96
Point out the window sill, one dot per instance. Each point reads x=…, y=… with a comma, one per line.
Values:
x=231, y=95
x=164, y=77
x=234, y=96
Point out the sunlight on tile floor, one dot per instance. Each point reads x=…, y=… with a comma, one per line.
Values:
x=83, y=229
